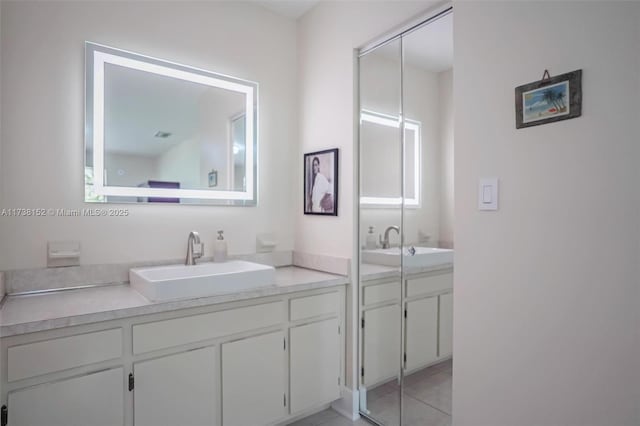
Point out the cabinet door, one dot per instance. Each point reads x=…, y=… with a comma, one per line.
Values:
x=446, y=325
x=314, y=364
x=381, y=344
x=92, y=400
x=177, y=389
x=422, y=332
x=253, y=380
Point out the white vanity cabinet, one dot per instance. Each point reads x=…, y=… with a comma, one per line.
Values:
x=428, y=324
x=422, y=333
x=314, y=364
x=380, y=331
x=95, y=399
x=315, y=337
x=381, y=344
x=253, y=380
x=253, y=362
x=445, y=331
x=428, y=319
x=179, y=389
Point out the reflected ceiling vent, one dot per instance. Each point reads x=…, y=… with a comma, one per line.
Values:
x=161, y=134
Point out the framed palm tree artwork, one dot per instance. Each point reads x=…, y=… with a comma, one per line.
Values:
x=549, y=100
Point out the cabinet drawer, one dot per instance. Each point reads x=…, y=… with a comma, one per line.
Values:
x=380, y=293
x=181, y=331
x=313, y=306
x=430, y=284
x=35, y=359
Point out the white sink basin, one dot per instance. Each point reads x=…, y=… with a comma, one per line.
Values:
x=424, y=257
x=207, y=279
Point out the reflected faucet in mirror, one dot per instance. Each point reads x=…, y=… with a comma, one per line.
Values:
x=385, y=243
x=194, y=238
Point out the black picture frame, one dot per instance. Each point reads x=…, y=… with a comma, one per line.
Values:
x=326, y=177
x=547, y=103
x=213, y=178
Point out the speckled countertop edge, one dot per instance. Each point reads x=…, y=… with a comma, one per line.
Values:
x=369, y=272
x=29, y=314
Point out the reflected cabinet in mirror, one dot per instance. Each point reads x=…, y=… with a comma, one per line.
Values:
x=159, y=132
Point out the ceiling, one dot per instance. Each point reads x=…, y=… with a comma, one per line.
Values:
x=140, y=104
x=292, y=9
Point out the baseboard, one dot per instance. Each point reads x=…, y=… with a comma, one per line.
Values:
x=347, y=406
x=301, y=415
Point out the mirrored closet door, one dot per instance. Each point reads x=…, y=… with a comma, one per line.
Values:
x=405, y=226
x=380, y=231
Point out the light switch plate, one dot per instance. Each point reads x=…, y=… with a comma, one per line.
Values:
x=488, y=194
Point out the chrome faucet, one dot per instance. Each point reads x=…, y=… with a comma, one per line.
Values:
x=385, y=243
x=194, y=238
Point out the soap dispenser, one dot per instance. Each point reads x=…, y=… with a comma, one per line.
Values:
x=220, y=249
x=371, y=243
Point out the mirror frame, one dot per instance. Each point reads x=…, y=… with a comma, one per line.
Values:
x=416, y=127
x=96, y=56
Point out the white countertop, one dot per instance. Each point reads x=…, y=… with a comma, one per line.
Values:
x=38, y=312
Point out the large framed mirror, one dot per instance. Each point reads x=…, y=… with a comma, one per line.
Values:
x=160, y=132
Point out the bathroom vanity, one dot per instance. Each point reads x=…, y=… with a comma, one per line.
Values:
x=252, y=358
x=428, y=318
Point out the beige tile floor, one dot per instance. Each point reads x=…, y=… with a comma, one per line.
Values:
x=427, y=402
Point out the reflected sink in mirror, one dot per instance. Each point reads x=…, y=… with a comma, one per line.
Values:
x=161, y=283
x=423, y=257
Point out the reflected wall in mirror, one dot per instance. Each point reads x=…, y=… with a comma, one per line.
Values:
x=167, y=133
x=427, y=96
x=428, y=139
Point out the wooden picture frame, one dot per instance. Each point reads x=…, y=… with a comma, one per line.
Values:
x=549, y=100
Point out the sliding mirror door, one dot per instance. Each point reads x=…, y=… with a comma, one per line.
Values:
x=427, y=255
x=380, y=228
x=405, y=226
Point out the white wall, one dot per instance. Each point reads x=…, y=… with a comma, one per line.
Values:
x=445, y=96
x=421, y=100
x=134, y=169
x=42, y=125
x=546, y=288
x=177, y=164
x=214, y=136
x=327, y=37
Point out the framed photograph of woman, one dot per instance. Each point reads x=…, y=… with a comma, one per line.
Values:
x=321, y=182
